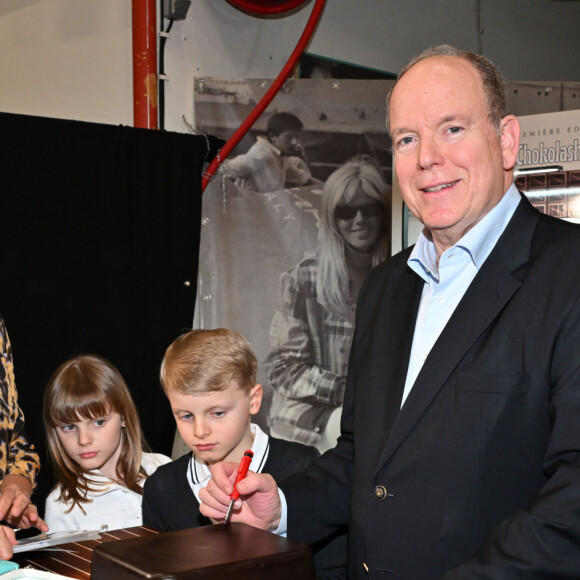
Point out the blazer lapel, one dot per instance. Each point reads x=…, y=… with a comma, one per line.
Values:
x=489, y=292
x=387, y=360
x=388, y=300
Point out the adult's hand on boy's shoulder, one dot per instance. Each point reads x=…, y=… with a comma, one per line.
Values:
x=259, y=504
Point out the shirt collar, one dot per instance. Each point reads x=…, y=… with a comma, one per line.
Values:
x=478, y=242
x=199, y=472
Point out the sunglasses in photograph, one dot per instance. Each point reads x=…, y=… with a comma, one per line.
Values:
x=348, y=212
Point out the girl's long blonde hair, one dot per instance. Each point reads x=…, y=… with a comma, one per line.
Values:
x=332, y=277
x=89, y=387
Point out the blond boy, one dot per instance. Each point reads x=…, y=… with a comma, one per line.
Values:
x=209, y=377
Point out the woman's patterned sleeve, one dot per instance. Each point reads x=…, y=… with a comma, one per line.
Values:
x=17, y=455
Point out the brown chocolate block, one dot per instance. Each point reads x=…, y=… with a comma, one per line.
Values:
x=218, y=552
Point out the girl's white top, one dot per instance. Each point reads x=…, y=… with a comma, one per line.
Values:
x=113, y=506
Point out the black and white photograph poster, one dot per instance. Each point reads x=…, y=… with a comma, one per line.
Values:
x=291, y=224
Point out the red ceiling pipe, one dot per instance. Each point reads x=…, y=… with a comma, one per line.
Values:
x=270, y=93
x=145, y=113
x=266, y=6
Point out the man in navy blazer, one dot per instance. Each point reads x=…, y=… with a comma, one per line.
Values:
x=460, y=449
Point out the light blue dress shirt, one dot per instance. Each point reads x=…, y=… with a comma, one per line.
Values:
x=446, y=283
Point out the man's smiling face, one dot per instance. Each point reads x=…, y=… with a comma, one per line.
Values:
x=451, y=164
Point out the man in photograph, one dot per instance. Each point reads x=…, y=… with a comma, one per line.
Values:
x=275, y=160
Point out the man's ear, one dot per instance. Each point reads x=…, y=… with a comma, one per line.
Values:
x=256, y=395
x=510, y=140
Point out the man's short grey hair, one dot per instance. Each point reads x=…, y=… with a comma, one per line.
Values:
x=491, y=78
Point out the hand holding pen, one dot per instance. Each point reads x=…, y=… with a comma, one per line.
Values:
x=262, y=502
x=242, y=472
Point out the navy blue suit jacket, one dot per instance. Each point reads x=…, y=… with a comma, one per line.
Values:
x=477, y=476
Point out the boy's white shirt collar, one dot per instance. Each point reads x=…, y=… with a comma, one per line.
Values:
x=198, y=473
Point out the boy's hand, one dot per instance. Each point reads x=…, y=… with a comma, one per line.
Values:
x=259, y=504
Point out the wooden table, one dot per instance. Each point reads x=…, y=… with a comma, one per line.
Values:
x=221, y=552
x=236, y=551
x=76, y=562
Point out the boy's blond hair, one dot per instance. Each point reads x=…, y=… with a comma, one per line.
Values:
x=202, y=361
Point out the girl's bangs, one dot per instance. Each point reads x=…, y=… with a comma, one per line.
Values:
x=70, y=407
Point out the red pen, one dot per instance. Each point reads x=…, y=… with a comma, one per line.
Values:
x=242, y=472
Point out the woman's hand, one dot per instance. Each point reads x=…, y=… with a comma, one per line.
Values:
x=7, y=540
x=15, y=505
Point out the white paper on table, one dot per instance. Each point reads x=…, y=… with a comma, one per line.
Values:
x=53, y=539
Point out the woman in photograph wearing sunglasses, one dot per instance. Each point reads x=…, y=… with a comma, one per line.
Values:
x=312, y=328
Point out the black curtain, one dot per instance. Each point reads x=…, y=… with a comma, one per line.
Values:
x=99, y=254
